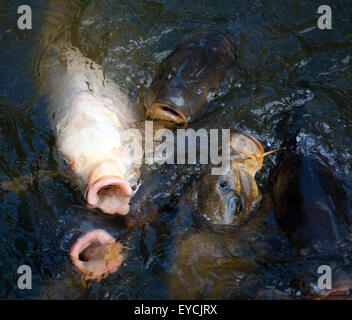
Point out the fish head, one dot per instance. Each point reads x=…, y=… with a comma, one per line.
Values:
x=226, y=199
x=230, y=198
x=96, y=254
x=189, y=78
x=178, y=96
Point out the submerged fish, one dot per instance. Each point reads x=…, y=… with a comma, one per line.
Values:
x=208, y=265
x=22, y=183
x=310, y=204
x=190, y=77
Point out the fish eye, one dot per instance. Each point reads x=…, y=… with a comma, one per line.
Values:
x=223, y=183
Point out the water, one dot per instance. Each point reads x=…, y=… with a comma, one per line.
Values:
x=289, y=73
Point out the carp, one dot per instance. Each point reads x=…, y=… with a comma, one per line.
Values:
x=90, y=117
x=230, y=198
x=190, y=77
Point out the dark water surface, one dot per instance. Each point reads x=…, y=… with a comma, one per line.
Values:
x=289, y=73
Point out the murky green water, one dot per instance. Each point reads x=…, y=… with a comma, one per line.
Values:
x=289, y=73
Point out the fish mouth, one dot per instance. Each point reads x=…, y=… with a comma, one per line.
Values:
x=166, y=111
x=111, y=194
x=88, y=254
x=240, y=142
x=234, y=206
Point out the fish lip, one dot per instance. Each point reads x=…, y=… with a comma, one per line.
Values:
x=82, y=243
x=123, y=188
x=249, y=136
x=172, y=113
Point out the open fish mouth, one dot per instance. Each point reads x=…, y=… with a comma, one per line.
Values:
x=96, y=254
x=245, y=143
x=165, y=111
x=111, y=194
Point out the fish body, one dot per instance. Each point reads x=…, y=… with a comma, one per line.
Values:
x=90, y=116
x=310, y=204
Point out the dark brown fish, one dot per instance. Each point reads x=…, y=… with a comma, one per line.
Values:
x=190, y=77
x=228, y=199
x=310, y=204
x=206, y=265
